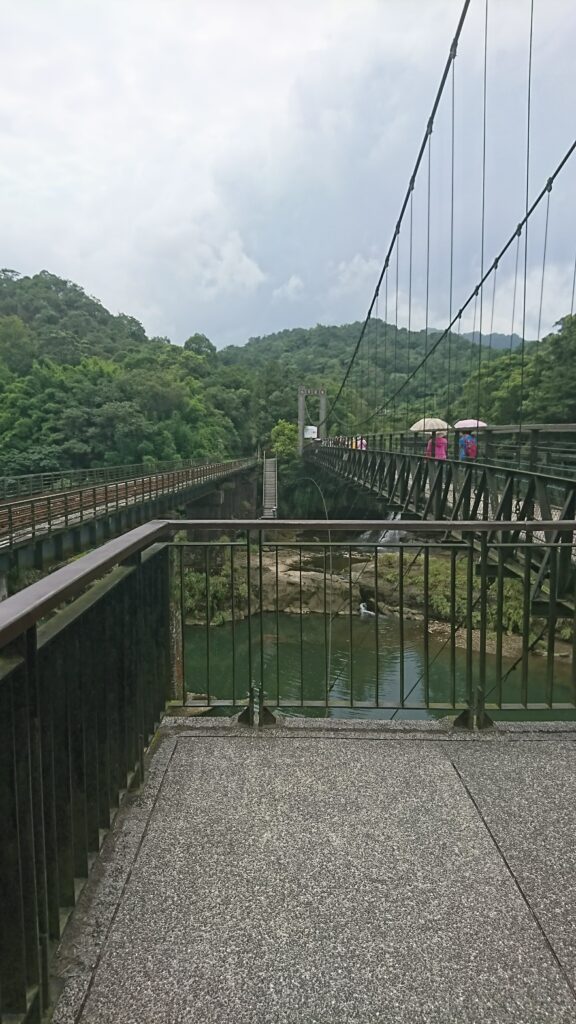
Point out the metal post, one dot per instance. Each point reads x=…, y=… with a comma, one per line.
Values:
x=322, y=426
x=301, y=412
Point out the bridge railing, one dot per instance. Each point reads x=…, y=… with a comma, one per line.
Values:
x=81, y=691
x=258, y=618
x=43, y=514
x=413, y=485
x=403, y=618
x=14, y=487
x=549, y=448
x=68, y=479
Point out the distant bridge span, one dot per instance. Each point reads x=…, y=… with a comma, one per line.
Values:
x=64, y=513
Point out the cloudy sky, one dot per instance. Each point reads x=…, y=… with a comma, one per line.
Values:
x=237, y=166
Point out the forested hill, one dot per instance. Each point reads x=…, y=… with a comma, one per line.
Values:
x=319, y=356
x=80, y=387
x=495, y=340
x=449, y=388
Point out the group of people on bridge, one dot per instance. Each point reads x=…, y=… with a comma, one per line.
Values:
x=436, y=447
x=357, y=442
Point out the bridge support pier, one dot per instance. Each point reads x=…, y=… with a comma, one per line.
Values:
x=59, y=547
x=211, y=507
x=5, y=566
x=38, y=558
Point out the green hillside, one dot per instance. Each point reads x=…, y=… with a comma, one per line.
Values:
x=387, y=357
x=81, y=387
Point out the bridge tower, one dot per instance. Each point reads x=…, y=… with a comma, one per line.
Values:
x=303, y=393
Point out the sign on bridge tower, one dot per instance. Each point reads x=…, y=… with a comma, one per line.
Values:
x=303, y=394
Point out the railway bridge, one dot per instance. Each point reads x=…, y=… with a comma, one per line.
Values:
x=47, y=517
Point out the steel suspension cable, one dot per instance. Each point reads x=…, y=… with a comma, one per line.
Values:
x=385, y=372
x=528, y=123
x=543, y=264
x=376, y=345
x=470, y=372
x=483, y=215
x=451, y=284
x=573, y=289
x=492, y=311
x=425, y=398
x=410, y=254
x=514, y=292
x=495, y=262
x=396, y=318
x=451, y=58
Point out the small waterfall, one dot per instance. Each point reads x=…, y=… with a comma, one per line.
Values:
x=368, y=537
x=391, y=537
x=386, y=538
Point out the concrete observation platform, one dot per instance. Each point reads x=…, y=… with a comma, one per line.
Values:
x=322, y=873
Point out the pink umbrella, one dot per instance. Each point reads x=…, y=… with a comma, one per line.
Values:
x=469, y=424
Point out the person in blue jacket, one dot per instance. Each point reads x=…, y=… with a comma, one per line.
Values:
x=467, y=447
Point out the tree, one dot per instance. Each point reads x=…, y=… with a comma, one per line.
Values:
x=284, y=438
x=550, y=377
x=17, y=349
x=200, y=345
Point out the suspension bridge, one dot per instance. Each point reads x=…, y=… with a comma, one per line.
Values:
x=216, y=806
x=414, y=486
x=386, y=386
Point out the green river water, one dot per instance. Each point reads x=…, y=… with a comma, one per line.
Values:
x=303, y=659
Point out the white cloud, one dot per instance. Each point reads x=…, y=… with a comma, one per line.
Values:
x=556, y=297
x=356, y=276
x=291, y=288
x=223, y=268
x=169, y=156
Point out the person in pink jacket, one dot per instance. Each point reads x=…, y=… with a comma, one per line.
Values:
x=437, y=447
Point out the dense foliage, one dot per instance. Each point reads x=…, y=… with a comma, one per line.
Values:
x=385, y=390
x=387, y=358
x=284, y=439
x=81, y=387
x=547, y=384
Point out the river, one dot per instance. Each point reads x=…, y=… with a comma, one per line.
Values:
x=304, y=659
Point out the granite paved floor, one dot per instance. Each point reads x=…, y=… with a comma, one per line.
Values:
x=307, y=874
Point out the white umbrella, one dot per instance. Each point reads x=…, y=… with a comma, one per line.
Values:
x=430, y=423
x=470, y=424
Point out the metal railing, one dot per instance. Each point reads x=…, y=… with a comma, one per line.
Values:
x=70, y=479
x=413, y=485
x=26, y=519
x=80, y=694
x=443, y=619
x=261, y=618
x=545, y=448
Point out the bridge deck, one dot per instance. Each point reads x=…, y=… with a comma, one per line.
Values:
x=335, y=873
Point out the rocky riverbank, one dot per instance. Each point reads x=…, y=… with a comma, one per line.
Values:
x=295, y=583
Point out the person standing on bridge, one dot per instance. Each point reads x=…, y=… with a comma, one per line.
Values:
x=437, y=447
x=467, y=447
